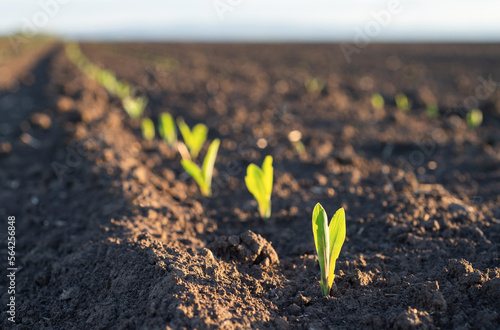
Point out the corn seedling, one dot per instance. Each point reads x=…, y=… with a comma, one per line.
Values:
x=295, y=138
x=167, y=129
x=377, y=101
x=167, y=64
x=474, y=118
x=148, y=129
x=73, y=52
x=134, y=106
x=195, y=138
x=432, y=110
x=402, y=102
x=203, y=175
x=108, y=80
x=328, y=241
x=314, y=85
x=91, y=70
x=122, y=89
x=260, y=183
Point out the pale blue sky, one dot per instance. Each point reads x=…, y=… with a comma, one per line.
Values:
x=300, y=20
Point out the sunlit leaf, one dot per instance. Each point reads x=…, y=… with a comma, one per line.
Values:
x=167, y=129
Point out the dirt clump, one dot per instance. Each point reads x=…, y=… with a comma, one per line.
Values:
x=249, y=248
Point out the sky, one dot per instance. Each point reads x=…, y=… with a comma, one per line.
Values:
x=257, y=20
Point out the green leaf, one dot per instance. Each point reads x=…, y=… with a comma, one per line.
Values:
x=432, y=110
x=255, y=184
x=203, y=176
x=122, y=89
x=198, y=137
x=402, y=102
x=134, y=106
x=377, y=101
x=148, y=129
x=267, y=169
x=185, y=131
x=314, y=85
x=209, y=161
x=259, y=182
x=195, y=173
x=167, y=129
x=320, y=231
x=474, y=118
x=195, y=138
x=337, y=234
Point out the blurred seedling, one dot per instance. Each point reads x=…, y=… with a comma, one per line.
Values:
x=295, y=138
x=135, y=106
x=122, y=89
x=314, y=85
x=195, y=138
x=474, y=118
x=90, y=70
x=203, y=175
x=168, y=64
x=148, y=129
x=328, y=241
x=377, y=101
x=402, y=102
x=74, y=53
x=432, y=110
x=108, y=80
x=166, y=127
x=259, y=182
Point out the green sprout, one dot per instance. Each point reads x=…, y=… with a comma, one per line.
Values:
x=314, y=85
x=91, y=70
x=167, y=64
x=295, y=137
x=328, y=241
x=122, y=89
x=135, y=106
x=195, y=138
x=260, y=183
x=108, y=80
x=432, y=110
x=474, y=118
x=167, y=129
x=76, y=56
x=74, y=53
x=203, y=176
x=377, y=101
x=148, y=129
x=402, y=102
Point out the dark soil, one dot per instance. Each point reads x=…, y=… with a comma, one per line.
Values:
x=111, y=233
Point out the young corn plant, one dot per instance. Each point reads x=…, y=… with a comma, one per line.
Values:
x=108, y=80
x=295, y=137
x=91, y=70
x=195, y=138
x=314, y=85
x=134, y=106
x=167, y=129
x=148, y=129
x=474, y=118
x=432, y=110
x=377, y=101
x=328, y=241
x=260, y=184
x=74, y=53
x=122, y=89
x=203, y=175
x=402, y=102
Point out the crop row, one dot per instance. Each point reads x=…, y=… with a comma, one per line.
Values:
x=259, y=180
